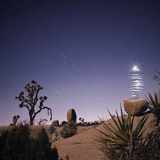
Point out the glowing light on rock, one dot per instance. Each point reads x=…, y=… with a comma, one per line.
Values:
x=136, y=81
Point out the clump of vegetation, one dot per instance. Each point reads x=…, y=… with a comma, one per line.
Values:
x=3, y=141
x=82, y=120
x=15, y=119
x=69, y=130
x=83, y=123
x=154, y=105
x=67, y=158
x=31, y=99
x=63, y=123
x=25, y=122
x=153, y=144
x=40, y=148
x=121, y=141
x=96, y=122
x=16, y=144
x=52, y=129
x=42, y=121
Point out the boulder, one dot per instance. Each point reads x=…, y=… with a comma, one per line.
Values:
x=71, y=115
x=135, y=106
x=55, y=123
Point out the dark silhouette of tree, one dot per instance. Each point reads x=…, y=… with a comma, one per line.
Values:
x=30, y=101
x=15, y=119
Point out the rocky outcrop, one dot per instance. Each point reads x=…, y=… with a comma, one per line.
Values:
x=71, y=115
x=135, y=106
x=83, y=145
x=55, y=123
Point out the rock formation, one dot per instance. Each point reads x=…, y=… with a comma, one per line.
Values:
x=71, y=115
x=135, y=106
x=55, y=123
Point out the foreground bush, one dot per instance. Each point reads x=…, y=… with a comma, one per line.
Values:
x=94, y=123
x=153, y=144
x=69, y=130
x=16, y=145
x=121, y=141
x=154, y=105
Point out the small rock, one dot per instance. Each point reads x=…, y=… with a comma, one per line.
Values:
x=135, y=106
x=71, y=115
x=55, y=123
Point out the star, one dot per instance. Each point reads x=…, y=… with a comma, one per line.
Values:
x=135, y=68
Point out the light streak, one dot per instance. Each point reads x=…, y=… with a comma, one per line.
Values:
x=136, y=81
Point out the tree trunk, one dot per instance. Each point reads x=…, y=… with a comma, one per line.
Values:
x=31, y=121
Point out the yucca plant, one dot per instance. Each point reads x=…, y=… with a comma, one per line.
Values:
x=154, y=105
x=120, y=140
x=153, y=144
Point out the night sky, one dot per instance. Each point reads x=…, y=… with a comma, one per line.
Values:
x=80, y=51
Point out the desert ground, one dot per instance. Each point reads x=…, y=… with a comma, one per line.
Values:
x=83, y=145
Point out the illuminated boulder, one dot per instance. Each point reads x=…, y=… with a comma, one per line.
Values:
x=55, y=123
x=135, y=106
x=71, y=115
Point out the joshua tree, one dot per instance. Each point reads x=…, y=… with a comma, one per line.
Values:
x=82, y=120
x=15, y=119
x=30, y=101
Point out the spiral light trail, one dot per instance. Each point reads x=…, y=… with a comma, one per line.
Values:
x=136, y=81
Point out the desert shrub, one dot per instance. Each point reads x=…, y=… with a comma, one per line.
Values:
x=69, y=130
x=42, y=121
x=94, y=123
x=63, y=123
x=3, y=140
x=82, y=123
x=82, y=120
x=24, y=123
x=40, y=148
x=153, y=144
x=154, y=105
x=67, y=158
x=121, y=141
x=52, y=129
x=15, y=119
x=17, y=145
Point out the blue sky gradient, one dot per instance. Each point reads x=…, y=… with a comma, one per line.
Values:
x=80, y=51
